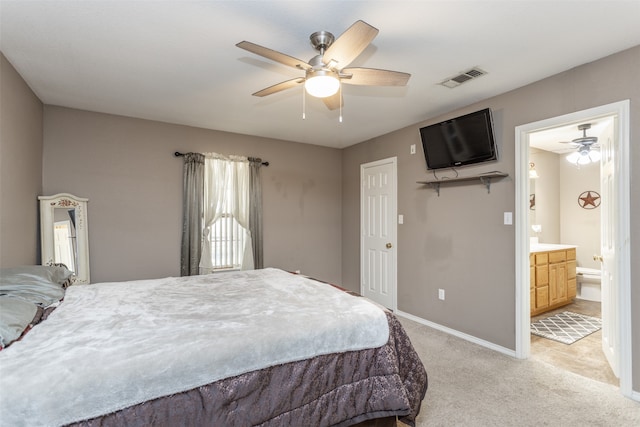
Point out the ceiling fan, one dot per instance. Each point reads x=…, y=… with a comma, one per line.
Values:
x=325, y=72
x=586, y=147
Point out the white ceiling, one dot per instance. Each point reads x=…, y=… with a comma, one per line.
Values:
x=557, y=139
x=176, y=61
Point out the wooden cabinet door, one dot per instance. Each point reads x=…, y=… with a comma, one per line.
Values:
x=532, y=296
x=561, y=271
x=541, y=283
x=553, y=284
x=532, y=285
x=532, y=273
x=557, y=283
x=542, y=275
x=542, y=297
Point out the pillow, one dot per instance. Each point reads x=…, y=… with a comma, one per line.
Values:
x=37, y=284
x=15, y=316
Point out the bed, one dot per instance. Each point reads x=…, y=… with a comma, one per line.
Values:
x=256, y=348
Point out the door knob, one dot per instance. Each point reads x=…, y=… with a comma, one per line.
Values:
x=389, y=245
x=598, y=258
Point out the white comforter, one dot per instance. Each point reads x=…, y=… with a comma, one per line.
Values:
x=112, y=345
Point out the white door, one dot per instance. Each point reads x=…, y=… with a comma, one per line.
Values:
x=378, y=210
x=610, y=303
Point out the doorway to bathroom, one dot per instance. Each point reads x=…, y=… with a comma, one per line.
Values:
x=559, y=217
x=565, y=209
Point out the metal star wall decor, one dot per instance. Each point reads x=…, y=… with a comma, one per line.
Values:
x=589, y=200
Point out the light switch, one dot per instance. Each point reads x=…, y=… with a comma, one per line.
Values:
x=412, y=150
x=508, y=218
x=400, y=219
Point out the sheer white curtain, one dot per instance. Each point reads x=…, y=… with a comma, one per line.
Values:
x=226, y=193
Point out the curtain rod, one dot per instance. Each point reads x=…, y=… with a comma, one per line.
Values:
x=179, y=154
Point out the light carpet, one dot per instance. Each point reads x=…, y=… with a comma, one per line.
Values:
x=470, y=385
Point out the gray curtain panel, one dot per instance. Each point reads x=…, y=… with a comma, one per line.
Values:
x=193, y=198
x=255, y=210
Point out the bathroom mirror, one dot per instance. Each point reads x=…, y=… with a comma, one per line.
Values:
x=63, y=234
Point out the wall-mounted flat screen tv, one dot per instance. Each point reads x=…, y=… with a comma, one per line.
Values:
x=460, y=141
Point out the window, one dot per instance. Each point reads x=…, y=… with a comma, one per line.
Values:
x=226, y=236
x=228, y=243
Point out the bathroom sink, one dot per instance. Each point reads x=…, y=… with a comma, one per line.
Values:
x=542, y=247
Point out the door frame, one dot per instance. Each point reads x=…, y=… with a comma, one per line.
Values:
x=393, y=224
x=621, y=110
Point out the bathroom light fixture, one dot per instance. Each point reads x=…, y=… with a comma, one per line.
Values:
x=584, y=156
x=532, y=171
x=322, y=83
x=586, y=151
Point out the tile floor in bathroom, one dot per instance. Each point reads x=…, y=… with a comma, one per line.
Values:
x=585, y=356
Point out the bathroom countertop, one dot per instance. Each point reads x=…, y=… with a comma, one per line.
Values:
x=544, y=247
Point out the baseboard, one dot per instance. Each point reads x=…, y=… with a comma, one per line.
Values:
x=458, y=334
x=635, y=395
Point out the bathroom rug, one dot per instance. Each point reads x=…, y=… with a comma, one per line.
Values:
x=566, y=327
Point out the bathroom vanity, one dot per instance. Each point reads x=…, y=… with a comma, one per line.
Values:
x=552, y=276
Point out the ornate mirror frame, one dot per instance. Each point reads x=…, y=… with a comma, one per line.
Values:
x=65, y=202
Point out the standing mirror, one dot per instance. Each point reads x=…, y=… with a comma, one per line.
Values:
x=63, y=234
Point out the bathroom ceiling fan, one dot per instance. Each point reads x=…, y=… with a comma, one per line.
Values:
x=325, y=72
x=586, y=147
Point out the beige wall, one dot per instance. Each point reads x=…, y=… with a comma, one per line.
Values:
x=20, y=168
x=127, y=170
x=579, y=226
x=457, y=241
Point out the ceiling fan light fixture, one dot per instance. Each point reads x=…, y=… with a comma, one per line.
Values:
x=586, y=152
x=595, y=155
x=584, y=156
x=324, y=77
x=574, y=157
x=584, y=159
x=322, y=83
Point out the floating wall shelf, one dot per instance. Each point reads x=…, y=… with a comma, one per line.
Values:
x=484, y=178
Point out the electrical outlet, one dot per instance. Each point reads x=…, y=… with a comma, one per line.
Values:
x=441, y=294
x=412, y=150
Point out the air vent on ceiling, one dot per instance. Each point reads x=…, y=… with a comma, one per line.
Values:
x=463, y=77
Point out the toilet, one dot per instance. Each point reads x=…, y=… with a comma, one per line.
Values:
x=588, y=284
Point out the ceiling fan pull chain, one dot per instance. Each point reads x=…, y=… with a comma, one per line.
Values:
x=304, y=103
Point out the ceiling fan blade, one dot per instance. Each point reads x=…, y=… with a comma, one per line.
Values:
x=287, y=84
x=350, y=44
x=374, y=77
x=274, y=55
x=333, y=102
